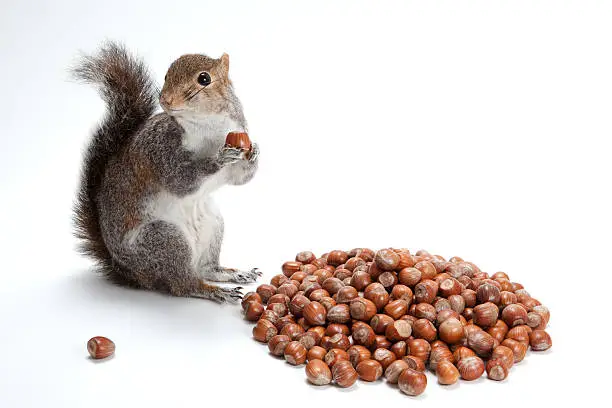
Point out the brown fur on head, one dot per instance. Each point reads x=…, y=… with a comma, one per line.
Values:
x=196, y=85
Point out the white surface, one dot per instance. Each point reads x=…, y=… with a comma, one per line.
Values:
x=478, y=129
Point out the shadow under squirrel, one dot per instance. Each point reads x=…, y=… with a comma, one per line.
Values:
x=144, y=210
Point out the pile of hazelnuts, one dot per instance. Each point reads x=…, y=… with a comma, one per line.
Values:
x=365, y=314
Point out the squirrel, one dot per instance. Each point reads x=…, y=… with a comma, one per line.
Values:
x=144, y=210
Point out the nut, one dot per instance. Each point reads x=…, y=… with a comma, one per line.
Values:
x=409, y=276
x=332, y=285
x=419, y=348
x=520, y=333
x=100, y=347
x=507, y=298
x=239, y=140
x=425, y=311
x=514, y=315
x=388, y=279
x=339, y=314
x=446, y=314
x=399, y=349
x=412, y=382
x=288, y=289
x=451, y=331
x=394, y=370
x=292, y=330
x=447, y=373
x=504, y=354
x=396, y=309
x=309, y=339
x=496, y=370
x=318, y=373
x=297, y=304
x=415, y=363
x=424, y=329
x=360, y=280
x=346, y=294
x=380, y=322
x=481, y=342
x=457, y=303
x=334, y=355
x=402, y=292
x=264, y=330
x=278, y=343
x=486, y=314
x=279, y=308
x=337, y=257
x=488, y=292
x=399, y=330
x=283, y=321
x=250, y=296
x=254, y=310
x=270, y=315
x=305, y=257
x=357, y=354
x=295, y=353
x=342, y=274
x=340, y=341
x=428, y=270
x=315, y=313
x=369, y=370
x=518, y=349
x=291, y=267
x=425, y=291
x=386, y=259
x=381, y=341
x=362, y=309
x=441, y=304
x=266, y=292
x=449, y=287
x=363, y=335
x=470, y=368
x=469, y=296
x=462, y=352
x=384, y=357
x=539, y=340
x=344, y=374
x=334, y=328
x=316, y=353
x=438, y=354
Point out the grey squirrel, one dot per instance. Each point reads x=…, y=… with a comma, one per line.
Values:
x=144, y=210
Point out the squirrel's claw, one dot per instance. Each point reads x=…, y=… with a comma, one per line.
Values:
x=254, y=152
x=229, y=155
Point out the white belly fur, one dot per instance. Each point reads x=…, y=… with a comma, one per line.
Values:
x=196, y=215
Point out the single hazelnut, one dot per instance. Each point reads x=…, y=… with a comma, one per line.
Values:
x=327, y=302
x=318, y=373
x=399, y=330
x=264, y=330
x=309, y=339
x=514, y=315
x=343, y=274
x=419, y=348
x=507, y=298
x=315, y=313
x=399, y=349
x=438, y=354
x=339, y=314
x=415, y=363
x=335, y=328
x=362, y=309
x=457, y=303
x=518, y=348
x=412, y=382
x=297, y=304
x=380, y=322
x=305, y=257
x=337, y=257
x=254, y=310
x=340, y=341
x=277, y=344
x=542, y=311
x=346, y=294
x=402, y=292
x=309, y=269
x=425, y=311
x=369, y=370
x=470, y=368
x=468, y=313
x=374, y=271
x=447, y=373
x=239, y=140
x=353, y=263
x=322, y=274
x=445, y=315
x=293, y=330
x=428, y=270
x=462, y=352
x=520, y=333
x=287, y=289
x=279, y=308
x=396, y=309
x=249, y=297
x=283, y=321
x=384, y=357
x=394, y=370
x=380, y=298
x=409, y=276
x=388, y=280
x=441, y=304
x=425, y=291
x=535, y=321
x=291, y=267
x=266, y=292
x=334, y=355
x=451, y=331
x=332, y=285
x=504, y=354
x=316, y=353
x=295, y=353
x=450, y=286
x=380, y=341
x=100, y=347
x=424, y=329
x=496, y=370
x=357, y=354
x=344, y=374
x=364, y=335
x=488, y=292
x=481, y=342
x=486, y=314
x=386, y=259
x=320, y=330
x=470, y=297
x=539, y=340
x=270, y=315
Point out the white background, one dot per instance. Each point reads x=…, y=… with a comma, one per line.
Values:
x=478, y=129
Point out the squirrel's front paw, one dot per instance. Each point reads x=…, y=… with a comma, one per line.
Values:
x=254, y=154
x=228, y=155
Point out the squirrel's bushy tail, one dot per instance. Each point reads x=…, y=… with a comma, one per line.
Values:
x=125, y=84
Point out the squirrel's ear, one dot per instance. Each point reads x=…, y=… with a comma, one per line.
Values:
x=225, y=62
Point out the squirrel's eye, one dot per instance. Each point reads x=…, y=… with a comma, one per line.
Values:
x=166, y=77
x=204, y=79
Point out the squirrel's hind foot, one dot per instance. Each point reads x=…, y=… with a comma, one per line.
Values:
x=219, y=294
x=221, y=274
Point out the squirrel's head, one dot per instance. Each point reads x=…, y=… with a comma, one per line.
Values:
x=196, y=85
